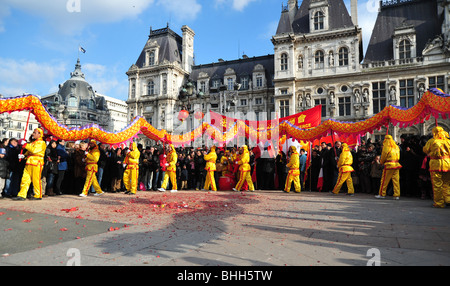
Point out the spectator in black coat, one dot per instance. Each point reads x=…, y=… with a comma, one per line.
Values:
x=4, y=170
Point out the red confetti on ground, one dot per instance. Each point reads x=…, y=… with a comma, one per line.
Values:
x=70, y=210
x=27, y=220
x=63, y=229
x=150, y=208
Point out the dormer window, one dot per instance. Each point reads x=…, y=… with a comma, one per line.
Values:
x=151, y=58
x=319, y=16
x=404, y=50
x=72, y=101
x=91, y=104
x=319, y=20
x=404, y=43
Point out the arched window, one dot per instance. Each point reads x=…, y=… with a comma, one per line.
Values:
x=300, y=62
x=343, y=56
x=319, y=60
x=151, y=87
x=72, y=102
x=405, y=49
x=318, y=20
x=284, y=62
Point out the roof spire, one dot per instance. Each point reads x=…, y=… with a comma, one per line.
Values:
x=77, y=73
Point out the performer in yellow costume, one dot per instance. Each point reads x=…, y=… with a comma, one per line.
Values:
x=390, y=155
x=227, y=162
x=210, y=167
x=131, y=174
x=35, y=152
x=294, y=171
x=345, y=171
x=244, y=170
x=171, y=171
x=438, y=149
x=92, y=169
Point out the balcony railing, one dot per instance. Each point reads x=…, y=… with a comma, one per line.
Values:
x=390, y=63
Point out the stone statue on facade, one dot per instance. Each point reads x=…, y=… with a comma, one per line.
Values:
x=357, y=96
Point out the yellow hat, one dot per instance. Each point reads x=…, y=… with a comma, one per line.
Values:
x=40, y=131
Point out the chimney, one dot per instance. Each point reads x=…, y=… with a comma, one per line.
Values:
x=354, y=11
x=188, y=48
x=293, y=7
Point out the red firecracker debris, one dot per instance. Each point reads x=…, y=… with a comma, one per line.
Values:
x=70, y=210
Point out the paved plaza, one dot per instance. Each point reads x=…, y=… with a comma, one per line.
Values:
x=194, y=228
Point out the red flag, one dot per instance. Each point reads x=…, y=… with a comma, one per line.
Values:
x=320, y=180
x=308, y=162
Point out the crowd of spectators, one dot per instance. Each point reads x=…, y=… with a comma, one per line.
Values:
x=64, y=168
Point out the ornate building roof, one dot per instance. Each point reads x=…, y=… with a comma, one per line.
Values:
x=169, y=46
x=241, y=67
x=80, y=90
x=300, y=24
x=422, y=16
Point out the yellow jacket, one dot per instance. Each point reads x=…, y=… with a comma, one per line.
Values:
x=294, y=159
x=35, y=152
x=172, y=159
x=132, y=158
x=225, y=158
x=390, y=155
x=244, y=159
x=438, y=148
x=92, y=159
x=210, y=159
x=345, y=160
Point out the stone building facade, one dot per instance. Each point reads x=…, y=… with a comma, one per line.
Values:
x=318, y=60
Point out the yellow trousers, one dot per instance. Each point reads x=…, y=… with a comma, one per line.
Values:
x=91, y=179
x=31, y=174
x=210, y=181
x=130, y=179
x=173, y=179
x=394, y=175
x=344, y=177
x=245, y=176
x=293, y=176
x=441, y=188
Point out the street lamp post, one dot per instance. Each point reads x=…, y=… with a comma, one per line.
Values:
x=186, y=93
x=65, y=114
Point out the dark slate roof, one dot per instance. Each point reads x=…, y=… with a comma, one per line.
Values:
x=284, y=25
x=339, y=17
x=242, y=68
x=170, y=46
x=421, y=14
x=78, y=87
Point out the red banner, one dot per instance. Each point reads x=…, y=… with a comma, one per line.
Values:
x=307, y=119
x=352, y=141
